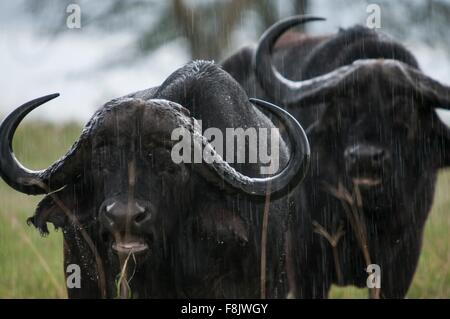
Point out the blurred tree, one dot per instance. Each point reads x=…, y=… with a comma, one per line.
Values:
x=207, y=29
x=426, y=20
x=301, y=6
x=207, y=26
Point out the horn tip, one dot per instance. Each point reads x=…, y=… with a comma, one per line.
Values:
x=307, y=17
x=49, y=97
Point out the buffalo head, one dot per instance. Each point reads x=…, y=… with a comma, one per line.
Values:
x=376, y=126
x=118, y=193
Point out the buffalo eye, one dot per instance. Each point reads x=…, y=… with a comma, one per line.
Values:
x=401, y=125
x=150, y=158
x=106, y=170
x=170, y=169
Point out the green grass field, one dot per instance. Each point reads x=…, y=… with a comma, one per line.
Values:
x=31, y=266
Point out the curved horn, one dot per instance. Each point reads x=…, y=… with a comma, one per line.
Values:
x=11, y=170
x=293, y=173
x=316, y=89
x=21, y=178
x=269, y=78
x=408, y=77
x=362, y=72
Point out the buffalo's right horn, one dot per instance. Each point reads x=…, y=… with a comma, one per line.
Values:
x=18, y=176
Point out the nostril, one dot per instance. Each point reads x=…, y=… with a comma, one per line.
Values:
x=379, y=156
x=140, y=217
x=351, y=155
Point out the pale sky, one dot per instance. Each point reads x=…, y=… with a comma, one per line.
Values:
x=33, y=65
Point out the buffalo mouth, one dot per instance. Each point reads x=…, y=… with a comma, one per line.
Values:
x=366, y=181
x=127, y=245
x=131, y=247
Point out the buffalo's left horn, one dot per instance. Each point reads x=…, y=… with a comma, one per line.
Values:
x=291, y=175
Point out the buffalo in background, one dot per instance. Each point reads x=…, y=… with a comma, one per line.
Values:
x=377, y=145
x=140, y=225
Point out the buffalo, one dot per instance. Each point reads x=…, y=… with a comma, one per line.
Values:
x=377, y=146
x=298, y=56
x=139, y=224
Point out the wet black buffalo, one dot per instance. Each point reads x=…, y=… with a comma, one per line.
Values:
x=138, y=224
x=298, y=56
x=377, y=145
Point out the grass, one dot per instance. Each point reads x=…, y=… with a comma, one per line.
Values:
x=432, y=278
x=32, y=266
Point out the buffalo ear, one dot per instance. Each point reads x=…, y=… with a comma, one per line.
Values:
x=51, y=209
